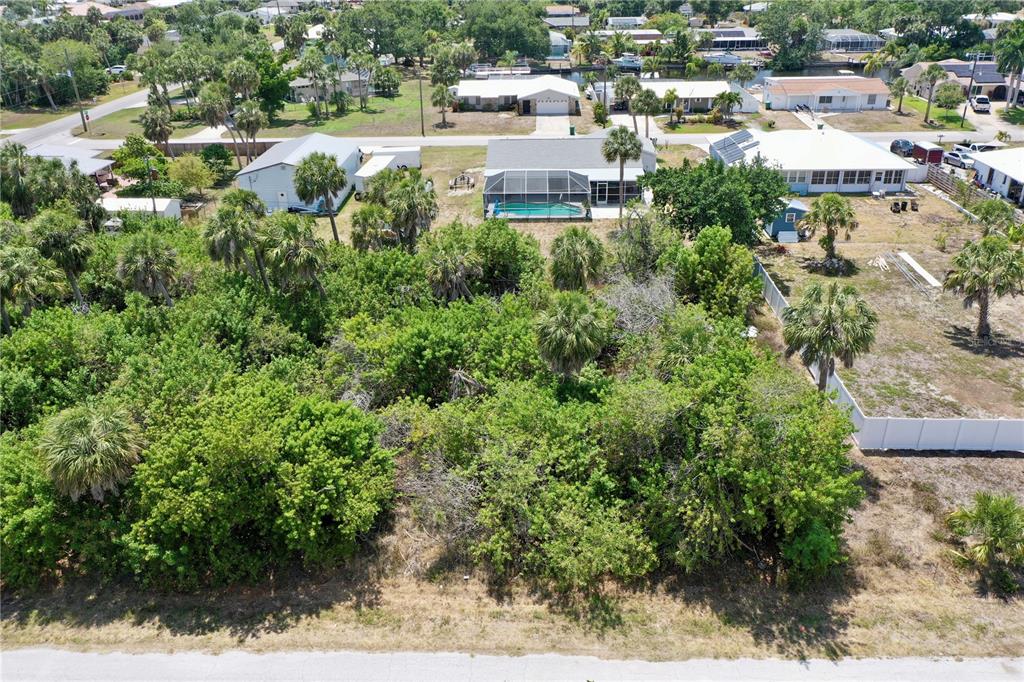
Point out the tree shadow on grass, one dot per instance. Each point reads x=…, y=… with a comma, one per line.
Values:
x=1001, y=345
x=246, y=612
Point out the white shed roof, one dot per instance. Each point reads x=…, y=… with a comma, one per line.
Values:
x=84, y=158
x=827, y=149
x=291, y=152
x=1009, y=162
x=519, y=87
x=141, y=204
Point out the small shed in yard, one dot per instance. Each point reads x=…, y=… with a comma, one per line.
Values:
x=165, y=208
x=927, y=152
x=784, y=228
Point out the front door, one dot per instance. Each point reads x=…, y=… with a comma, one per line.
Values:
x=526, y=106
x=602, y=193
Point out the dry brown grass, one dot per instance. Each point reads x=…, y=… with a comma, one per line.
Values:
x=925, y=361
x=781, y=120
x=674, y=155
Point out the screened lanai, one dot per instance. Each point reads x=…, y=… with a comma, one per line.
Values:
x=531, y=194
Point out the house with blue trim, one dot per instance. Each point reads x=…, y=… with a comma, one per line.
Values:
x=784, y=228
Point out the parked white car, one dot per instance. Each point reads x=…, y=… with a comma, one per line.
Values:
x=116, y=69
x=980, y=103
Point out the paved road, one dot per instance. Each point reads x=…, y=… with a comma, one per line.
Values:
x=63, y=666
x=59, y=131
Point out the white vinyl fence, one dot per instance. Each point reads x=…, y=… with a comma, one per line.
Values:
x=909, y=433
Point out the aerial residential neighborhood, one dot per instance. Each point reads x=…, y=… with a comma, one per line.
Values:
x=500, y=339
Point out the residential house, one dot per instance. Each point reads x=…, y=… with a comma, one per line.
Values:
x=850, y=40
x=992, y=20
x=161, y=206
x=825, y=93
x=301, y=88
x=756, y=7
x=76, y=157
x=816, y=161
x=561, y=10
x=737, y=38
x=575, y=22
x=616, y=23
x=559, y=46
x=1001, y=171
x=784, y=228
x=558, y=177
x=986, y=77
x=640, y=36
x=691, y=96
x=272, y=174
x=532, y=95
x=686, y=9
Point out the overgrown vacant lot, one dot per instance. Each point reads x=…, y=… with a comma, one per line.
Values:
x=925, y=361
x=900, y=595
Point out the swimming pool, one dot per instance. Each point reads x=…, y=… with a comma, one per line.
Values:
x=555, y=209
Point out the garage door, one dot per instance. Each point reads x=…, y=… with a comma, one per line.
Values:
x=551, y=107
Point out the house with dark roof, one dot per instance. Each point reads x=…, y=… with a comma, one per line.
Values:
x=737, y=38
x=558, y=178
x=986, y=76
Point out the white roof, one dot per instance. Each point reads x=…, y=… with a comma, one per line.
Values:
x=144, y=204
x=1009, y=162
x=685, y=89
x=520, y=87
x=995, y=17
x=374, y=166
x=84, y=158
x=827, y=149
x=556, y=38
x=164, y=4
x=291, y=152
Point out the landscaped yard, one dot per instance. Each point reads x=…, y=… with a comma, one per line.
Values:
x=888, y=120
x=32, y=117
x=925, y=362
x=688, y=126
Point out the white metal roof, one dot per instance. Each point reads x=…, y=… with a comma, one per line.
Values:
x=827, y=149
x=84, y=158
x=291, y=152
x=1009, y=162
x=519, y=87
x=685, y=89
x=374, y=166
x=145, y=204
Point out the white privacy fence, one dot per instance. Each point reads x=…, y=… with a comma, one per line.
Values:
x=909, y=433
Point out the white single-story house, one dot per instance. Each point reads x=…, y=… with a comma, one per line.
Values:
x=850, y=40
x=691, y=96
x=825, y=93
x=271, y=174
x=640, y=36
x=558, y=177
x=816, y=161
x=83, y=159
x=165, y=208
x=534, y=95
x=558, y=45
x=1001, y=171
x=301, y=89
x=625, y=22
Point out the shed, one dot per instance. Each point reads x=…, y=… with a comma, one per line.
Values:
x=165, y=208
x=928, y=152
x=384, y=157
x=783, y=229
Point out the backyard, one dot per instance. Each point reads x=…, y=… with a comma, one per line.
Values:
x=32, y=117
x=888, y=120
x=925, y=361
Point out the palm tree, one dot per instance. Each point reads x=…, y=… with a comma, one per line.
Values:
x=873, y=63
x=1009, y=49
x=149, y=265
x=829, y=322
x=249, y=119
x=312, y=67
x=627, y=88
x=372, y=228
x=90, y=448
x=214, y=109
x=242, y=77
x=364, y=64
x=899, y=88
x=621, y=145
x=318, y=176
x=25, y=278
x=930, y=77
x=716, y=70
x=571, y=333
x=997, y=523
x=576, y=259
x=450, y=263
x=228, y=234
x=413, y=203
x=156, y=127
x=743, y=74
x=649, y=104
x=589, y=44
x=727, y=101
x=507, y=58
x=15, y=178
x=669, y=102
x=62, y=238
x=296, y=254
x=619, y=43
x=986, y=268
x=651, y=65
x=442, y=98
x=832, y=213
x=246, y=200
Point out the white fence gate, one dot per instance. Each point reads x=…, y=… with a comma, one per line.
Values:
x=909, y=433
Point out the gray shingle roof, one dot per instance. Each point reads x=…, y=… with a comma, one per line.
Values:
x=569, y=153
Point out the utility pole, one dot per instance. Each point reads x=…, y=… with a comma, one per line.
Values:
x=974, y=65
x=149, y=179
x=423, y=127
x=74, y=84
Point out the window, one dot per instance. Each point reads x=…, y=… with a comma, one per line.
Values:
x=872, y=99
x=825, y=177
x=856, y=177
x=796, y=177
x=825, y=99
x=991, y=172
x=893, y=177
x=791, y=217
x=878, y=176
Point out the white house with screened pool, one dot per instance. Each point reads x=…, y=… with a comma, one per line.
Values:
x=816, y=161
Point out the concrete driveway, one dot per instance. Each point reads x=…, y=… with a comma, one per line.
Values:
x=552, y=126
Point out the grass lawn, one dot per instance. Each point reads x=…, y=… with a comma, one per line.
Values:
x=120, y=124
x=888, y=120
x=1014, y=115
x=772, y=120
x=688, y=127
x=400, y=115
x=32, y=117
x=674, y=155
x=925, y=362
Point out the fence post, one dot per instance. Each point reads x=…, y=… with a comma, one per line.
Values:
x=920, y=432
x=956, y=441
x=995, y=435
x=885, y=432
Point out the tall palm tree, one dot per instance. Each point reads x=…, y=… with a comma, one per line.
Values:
x=149, y=265
x=228, y=234
x=985, y=269
x=450, y=263
x=930, y=78
x=1009, y=49
x=249, y=119
x=372, y=228
x=15, y=178
x=571, y=333
x=621, y=145
x=319, y=176
x=899, y=88
x=649, y=104
x=245, y=199
x=90, y=448
x=727, y=101
x=25, y=278
x=669, y=102
x=214, y=109
x=312, y=67
x=442, y=98
x=743, y=74
x=619, y=43
x=156, y=127
x=413, y=203
x=63, y=238
x=242, y=77
x=364, y=64
x=829, y=322
x=627, y=88
x=576, y=259
x=296, y=255
x=832, y=213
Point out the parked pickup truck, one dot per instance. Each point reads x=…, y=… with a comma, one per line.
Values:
x=975, y=147
x=981, y=104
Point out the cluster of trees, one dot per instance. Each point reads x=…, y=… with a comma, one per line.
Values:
x=29, y=184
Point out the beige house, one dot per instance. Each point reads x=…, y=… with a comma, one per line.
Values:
x=831, y=93
x=301, y=89
x=987, y=79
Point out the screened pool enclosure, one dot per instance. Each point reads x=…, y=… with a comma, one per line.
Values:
x=536, y=194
